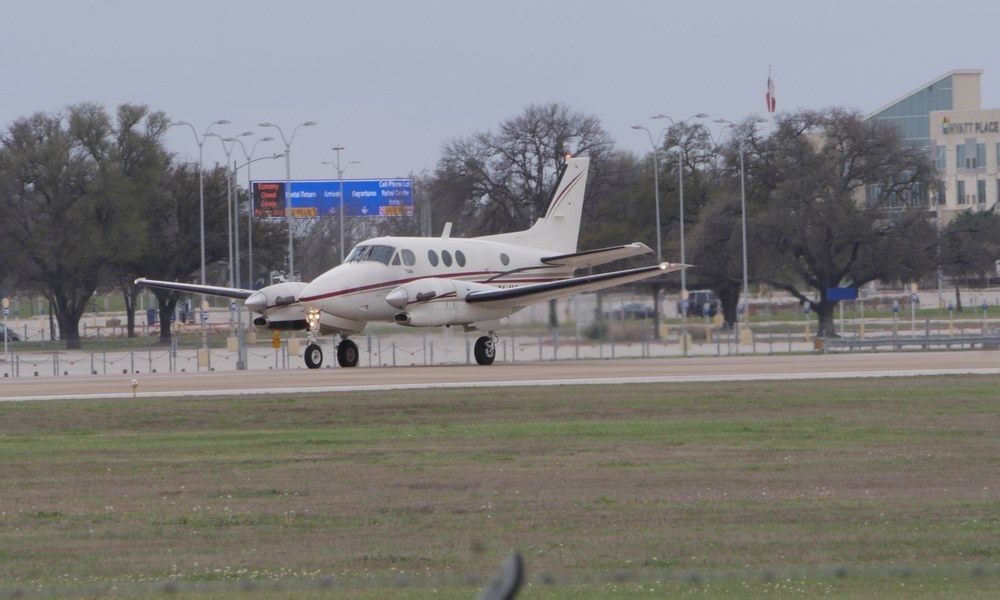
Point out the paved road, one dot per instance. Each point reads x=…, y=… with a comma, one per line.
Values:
x=650, y=370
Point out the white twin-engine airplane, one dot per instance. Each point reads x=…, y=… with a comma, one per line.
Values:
x=430, y=282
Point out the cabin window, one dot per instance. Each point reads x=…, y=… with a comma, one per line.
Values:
x=446, y=258
x=504, y=259
x=382, y=254
x=409, y=258
x=432, y=257
x=460, y=258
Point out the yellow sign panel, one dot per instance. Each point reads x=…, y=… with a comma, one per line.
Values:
x=308, y=211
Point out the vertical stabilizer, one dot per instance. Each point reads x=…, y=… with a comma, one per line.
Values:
x=559, y=227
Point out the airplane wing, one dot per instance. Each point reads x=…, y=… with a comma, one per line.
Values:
x=590, y=258
x=540, y=292
x=211, y=290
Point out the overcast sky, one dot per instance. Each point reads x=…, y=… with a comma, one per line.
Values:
x=394, y=80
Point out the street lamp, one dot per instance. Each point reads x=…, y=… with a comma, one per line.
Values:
x=249, y=159
x=288, y=188
x=200, y=140
x=656, y=181
x=680, y=171
x=340, y=176
x=229, y=198
x=743, y=213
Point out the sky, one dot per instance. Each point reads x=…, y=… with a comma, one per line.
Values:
x=392, y=81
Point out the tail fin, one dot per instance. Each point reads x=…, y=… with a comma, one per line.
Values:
x=559, y=227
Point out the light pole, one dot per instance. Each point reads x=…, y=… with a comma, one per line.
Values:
x=656, y=182
x=743, y=218
x=680, y=171
x=249, y=159
x=200, y=140
x=340, y=176
x=288, y=188
x=229, y=198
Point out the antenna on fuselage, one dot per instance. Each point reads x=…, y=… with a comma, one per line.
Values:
x=447, y=231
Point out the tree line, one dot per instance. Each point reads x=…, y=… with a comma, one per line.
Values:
x=832, y=200
x=90, y=199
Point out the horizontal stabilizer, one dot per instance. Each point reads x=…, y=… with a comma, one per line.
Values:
x=590, y=258
x=540, y=292
x=211, y=290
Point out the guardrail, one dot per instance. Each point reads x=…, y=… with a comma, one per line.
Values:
x=898, y=343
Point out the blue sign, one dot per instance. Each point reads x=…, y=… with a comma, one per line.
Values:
x=835, y=294
x=321, y=198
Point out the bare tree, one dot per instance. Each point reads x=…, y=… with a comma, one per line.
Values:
x=969, y=247
x=500, y=182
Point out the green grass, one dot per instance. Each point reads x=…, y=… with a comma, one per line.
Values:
x=853, y=488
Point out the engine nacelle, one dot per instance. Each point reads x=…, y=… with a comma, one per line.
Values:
x=267, y=299
x=284, y=318
x=448, y=312
x=432, y=288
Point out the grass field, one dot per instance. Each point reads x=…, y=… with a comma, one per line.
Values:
x=847, y=488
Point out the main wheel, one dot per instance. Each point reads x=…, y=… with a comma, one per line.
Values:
x=347, y=353
x=314, y=356
x=485, y=351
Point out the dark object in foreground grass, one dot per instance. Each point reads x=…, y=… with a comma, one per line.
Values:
x=506, y=586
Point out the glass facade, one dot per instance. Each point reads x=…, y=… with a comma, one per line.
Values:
x=911, y=114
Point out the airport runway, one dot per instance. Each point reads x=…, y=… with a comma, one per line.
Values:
x=650, y=370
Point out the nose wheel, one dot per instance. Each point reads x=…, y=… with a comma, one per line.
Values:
x=314, y=356
x=485, y=350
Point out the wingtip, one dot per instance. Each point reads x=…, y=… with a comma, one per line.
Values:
x=666, y=266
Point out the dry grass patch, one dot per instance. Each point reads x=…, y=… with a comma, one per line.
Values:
x=585, y=481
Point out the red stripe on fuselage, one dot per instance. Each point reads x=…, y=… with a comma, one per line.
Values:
x=399, y=282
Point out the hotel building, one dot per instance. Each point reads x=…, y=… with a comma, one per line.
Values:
x=947, y=117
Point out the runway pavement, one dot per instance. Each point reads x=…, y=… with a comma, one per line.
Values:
x=649, y=370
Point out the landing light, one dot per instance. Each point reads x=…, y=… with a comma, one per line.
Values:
x=312, y=317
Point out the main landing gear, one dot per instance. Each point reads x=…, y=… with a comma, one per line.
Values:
x=347, y=354
x=486, y=349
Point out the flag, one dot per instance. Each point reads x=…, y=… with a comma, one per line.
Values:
x=769, y=96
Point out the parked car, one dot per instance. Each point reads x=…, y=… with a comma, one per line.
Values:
x=10, y=334
x=696, y=303
x=633, y=310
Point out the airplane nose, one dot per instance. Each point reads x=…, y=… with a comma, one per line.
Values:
x=256, y=302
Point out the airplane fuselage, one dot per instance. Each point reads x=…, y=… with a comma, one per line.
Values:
x=358, y=288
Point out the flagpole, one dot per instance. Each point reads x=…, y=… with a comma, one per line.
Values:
x=770, y=102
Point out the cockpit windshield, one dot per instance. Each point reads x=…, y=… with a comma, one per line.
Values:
x=382, y=254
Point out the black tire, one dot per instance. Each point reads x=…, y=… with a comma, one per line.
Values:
x=347, y=353
x=314, y=356
x=485, y=351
